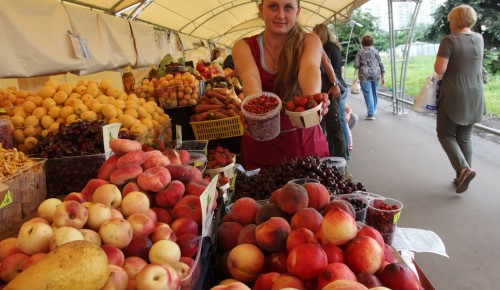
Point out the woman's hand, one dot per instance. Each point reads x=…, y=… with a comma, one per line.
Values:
x=334, y=91
x=326, y=104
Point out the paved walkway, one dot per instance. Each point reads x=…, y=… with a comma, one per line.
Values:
x=400, y=157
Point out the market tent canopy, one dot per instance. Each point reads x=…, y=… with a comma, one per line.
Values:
x=221, y=22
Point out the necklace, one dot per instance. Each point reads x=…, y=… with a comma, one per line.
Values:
x=271, y=56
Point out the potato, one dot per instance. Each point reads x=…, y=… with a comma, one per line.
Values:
x=75, y=265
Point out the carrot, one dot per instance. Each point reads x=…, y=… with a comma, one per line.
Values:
x=202, y=108
x=219, y=96
x=219, y=115
x=198, y=117
x=216, y=101
x=224, y=111
x=233, y=113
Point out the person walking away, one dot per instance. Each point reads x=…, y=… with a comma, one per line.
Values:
x=461, y=98
x=334, y=122
x=284, y=60
x=370, y=72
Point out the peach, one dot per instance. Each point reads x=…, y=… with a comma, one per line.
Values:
x=267, y=211
x=33, y=259
x=154, y=179
x=171, y=194
x=227, y=218
x=8, y=247
x=276, y=262
x=115, y=255
x=164, y=216
x=184, y=156
x=135, y=202
x=196, y=187
x=265, y=281
x=233, y=285
x=338, y=227
x=293, y=197
x=173, y=156
x=318, y=195
x=389, y=254
x=399, y=276
x=342, y=204
x=189, y=206
x=162, y=231
x=184, y=173
x=139, y=246
x=244, y=210
x=120, y=176
x=155, y=158
x=136, y=157
x=70, y=214
x=299, y=237
x=133, y=265
x=189, y=244
x=369, y=280
x=245, y=262
x=12, y=266
x=308, y=218
x=274, y=196
x=372, y=233
x=129, y=187
x=344, y=285
x=122, y=146
x=91, y=186
x=116, y=232
x=141, y=223
x=272, y=234
x=185, y=225
x=107, y=167
x=227, y=235
x=334, y=271
x=334, y=253
x=91, y=236
x=109, y=195
x=247, y=235
x=288, y=281
x=76, y=196
x=364, y=254
x=306, y=261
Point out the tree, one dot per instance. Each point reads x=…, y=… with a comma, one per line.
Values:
x=487, y=24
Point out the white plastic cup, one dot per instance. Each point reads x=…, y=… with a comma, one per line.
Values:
x=266, y=126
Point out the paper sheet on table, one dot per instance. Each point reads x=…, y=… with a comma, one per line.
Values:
x=418, y=240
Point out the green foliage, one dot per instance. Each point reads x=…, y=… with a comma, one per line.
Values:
x=487, y=11
x=419, y=67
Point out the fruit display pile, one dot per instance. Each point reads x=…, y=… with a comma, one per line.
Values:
x=302, y=240
x=261, y=185
x=142, y=213
x=39, y=113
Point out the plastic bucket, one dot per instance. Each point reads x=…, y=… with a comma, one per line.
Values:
x=265, y=126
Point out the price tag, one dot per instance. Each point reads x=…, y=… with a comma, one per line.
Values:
x=206, y=201
x=178, y=136
x=109, y=132
x=7, y=199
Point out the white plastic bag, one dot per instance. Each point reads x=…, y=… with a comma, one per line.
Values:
x=425, y=101
x=355, y=87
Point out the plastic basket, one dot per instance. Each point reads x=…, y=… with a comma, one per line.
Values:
x=217, y=129
x=306, y=118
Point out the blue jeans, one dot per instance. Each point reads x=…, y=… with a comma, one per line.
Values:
x=369, y=89
x=345, y=128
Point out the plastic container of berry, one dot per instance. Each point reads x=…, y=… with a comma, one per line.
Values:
x=262, y=114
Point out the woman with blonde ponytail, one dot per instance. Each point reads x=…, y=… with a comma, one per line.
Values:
x=285, y=60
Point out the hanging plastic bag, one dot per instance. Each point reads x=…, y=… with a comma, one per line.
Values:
x=355, y=87
x=426, y=99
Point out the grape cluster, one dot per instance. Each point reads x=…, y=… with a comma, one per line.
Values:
x=260, y=186
x=76, y=139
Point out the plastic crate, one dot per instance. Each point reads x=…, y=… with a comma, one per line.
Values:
x=217, y=129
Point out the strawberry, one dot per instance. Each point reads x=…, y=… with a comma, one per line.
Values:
x=318, y=97
x=303, y=102
x=299, y=109
x=290, y=106
x=311, y=104
x=296, y=101
x=219, y=149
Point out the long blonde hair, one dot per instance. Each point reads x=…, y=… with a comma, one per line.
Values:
x=325, y=35
x=286, y=82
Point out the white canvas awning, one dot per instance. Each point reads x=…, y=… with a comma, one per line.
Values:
x=218, y=21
